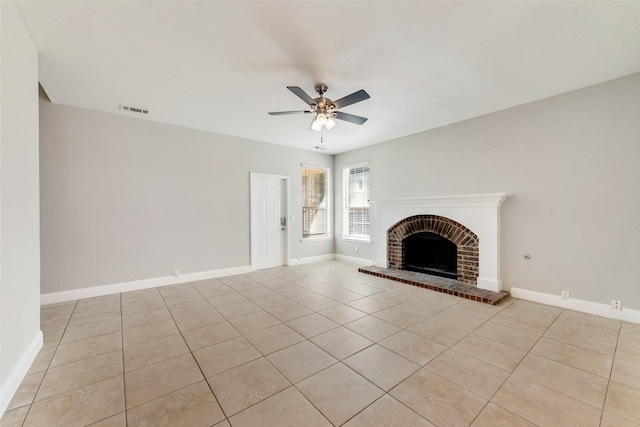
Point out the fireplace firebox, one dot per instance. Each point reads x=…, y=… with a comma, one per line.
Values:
x=430, y=253
x=465, y=241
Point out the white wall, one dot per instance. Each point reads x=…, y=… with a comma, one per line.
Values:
x=125, y=199
x=572, y=165
x=20, y=337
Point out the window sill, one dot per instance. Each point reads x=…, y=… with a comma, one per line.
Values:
x=316, y=239
x=356, y=239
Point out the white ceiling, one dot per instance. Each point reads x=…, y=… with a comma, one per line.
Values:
x=221, y=66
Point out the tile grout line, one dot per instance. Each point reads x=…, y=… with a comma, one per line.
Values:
x=351, y=355
x=90, y=357
x=268, y=361
x=46, y=370
x=226, y=417
x=193, y=356
x=189, y=349
x=486, y=321
x=387, y=393
x=79, y=387
x=104, y=379
x=307, y=339
x=540, y=336
x=124, y=379
x=543, y=385
x=613, y=361
x=511, y=373
x=576, y=346
x=395, y=304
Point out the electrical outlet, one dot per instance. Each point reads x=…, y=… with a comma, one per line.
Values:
x=564, y=295
x=616, y=304
x=176, y=273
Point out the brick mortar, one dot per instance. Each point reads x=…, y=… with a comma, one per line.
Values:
x=466, y=241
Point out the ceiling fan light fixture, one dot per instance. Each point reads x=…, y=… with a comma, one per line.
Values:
x=316, y=126
x=330, y=123
x=321, y=119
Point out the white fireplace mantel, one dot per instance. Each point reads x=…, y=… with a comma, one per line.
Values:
x=478, y=212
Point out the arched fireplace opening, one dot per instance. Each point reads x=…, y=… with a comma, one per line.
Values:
x=466, y=242
x=430, y=253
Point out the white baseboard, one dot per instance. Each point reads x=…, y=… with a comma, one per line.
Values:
x=354, y=260
x=599, y=309
x=97, y=291
x=9, y=387
x=311, y=259
x=329, y=257
x=135, y=285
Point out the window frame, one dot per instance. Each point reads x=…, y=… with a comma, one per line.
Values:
x=327, y=235
x=347, y=235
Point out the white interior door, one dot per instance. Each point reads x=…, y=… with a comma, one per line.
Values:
x=268, y=220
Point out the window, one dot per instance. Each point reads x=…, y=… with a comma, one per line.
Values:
x=315, y=202
x=356, y=201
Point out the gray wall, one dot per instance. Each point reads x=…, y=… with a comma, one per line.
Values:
x=572, y=163
x=19, y=248
x=125, y=199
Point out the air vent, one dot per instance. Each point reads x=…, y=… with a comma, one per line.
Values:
x=133, y=109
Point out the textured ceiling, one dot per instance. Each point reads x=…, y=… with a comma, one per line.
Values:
x=221, y=66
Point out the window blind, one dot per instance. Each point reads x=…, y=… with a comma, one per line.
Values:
x=315, y=201
x=356, y=192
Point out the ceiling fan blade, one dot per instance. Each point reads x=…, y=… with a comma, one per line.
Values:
x=281, y=113
x=350, y=118
x=302, y=95
x=358, y=96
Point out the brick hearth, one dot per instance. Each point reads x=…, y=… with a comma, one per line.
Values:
x=440, y=284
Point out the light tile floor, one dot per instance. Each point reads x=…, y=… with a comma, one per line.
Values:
x=322, y=345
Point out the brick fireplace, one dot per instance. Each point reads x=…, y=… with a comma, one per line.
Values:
x=465, y=240
x=471, y=221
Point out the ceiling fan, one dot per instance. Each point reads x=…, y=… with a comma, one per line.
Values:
x=326, y=110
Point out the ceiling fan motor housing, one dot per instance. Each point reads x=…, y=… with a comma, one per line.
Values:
x=323, y=105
